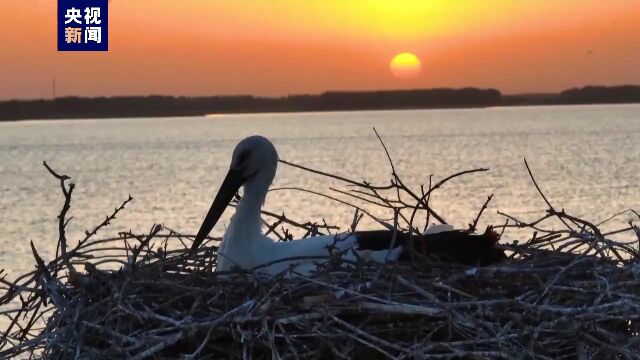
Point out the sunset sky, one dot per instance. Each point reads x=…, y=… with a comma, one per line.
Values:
x=278, y=47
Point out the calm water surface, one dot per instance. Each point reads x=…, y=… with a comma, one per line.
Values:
x=586, y=159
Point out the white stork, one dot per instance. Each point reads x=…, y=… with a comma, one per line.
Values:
x=253, y=165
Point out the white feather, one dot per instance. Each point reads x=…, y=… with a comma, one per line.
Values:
x=438, y=228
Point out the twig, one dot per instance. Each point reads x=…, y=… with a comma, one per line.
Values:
x=62, y=222
x=472, y=226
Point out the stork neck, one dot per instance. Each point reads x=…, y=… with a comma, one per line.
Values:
x=247, y=219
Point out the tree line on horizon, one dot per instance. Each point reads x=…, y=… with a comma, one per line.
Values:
x=152, y=106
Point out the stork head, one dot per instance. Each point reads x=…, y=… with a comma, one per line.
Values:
x=253, y=158
x=253, y=164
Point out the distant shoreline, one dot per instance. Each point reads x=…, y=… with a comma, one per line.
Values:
x=170, y=106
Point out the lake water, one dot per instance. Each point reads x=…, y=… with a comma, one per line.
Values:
x=586, y=158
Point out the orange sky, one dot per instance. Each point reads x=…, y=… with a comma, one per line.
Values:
x=275, y=47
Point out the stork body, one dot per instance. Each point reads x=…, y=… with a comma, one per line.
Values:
x=253, y=165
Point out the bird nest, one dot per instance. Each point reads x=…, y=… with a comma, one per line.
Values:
x=568, y=293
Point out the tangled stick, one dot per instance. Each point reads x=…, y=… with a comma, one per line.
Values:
x=570, y=293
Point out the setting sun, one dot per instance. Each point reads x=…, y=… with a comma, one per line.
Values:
x=405, y=65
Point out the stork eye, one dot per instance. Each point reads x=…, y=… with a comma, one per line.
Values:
x=243, y=157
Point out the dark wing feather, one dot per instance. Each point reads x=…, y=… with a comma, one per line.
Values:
x=453, y=246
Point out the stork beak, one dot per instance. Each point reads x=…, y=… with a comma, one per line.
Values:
x=228, y=189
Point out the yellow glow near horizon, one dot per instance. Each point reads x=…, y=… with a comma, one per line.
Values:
x=405, y=65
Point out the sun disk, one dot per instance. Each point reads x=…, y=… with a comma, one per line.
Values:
x=405, y=65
